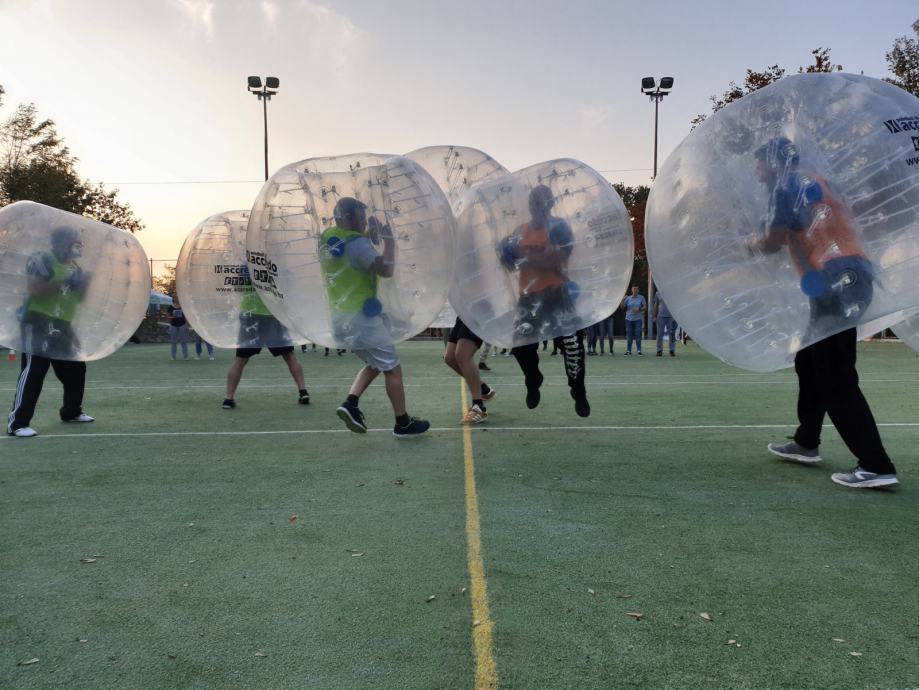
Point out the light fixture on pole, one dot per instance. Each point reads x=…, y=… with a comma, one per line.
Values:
x=656, y=90
x=264, y=94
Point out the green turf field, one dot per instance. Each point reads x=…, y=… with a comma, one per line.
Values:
x=663, y=503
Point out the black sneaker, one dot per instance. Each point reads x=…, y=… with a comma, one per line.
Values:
x=484, y=367
x=533, y=395
x=795, y=452
x=581, y=406
x=228, y=404
x=857, y=478
x=352, y=417
x=414, y=427
x=304, y=398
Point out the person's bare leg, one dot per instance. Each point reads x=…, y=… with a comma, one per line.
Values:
x=293, y=364
x=450, y=358
x=363, y=379
x=234, y=375
x=465, y=359
x=395, y=389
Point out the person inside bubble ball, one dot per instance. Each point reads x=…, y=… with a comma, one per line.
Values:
x=259, y=328
x=539, y=250
x=351, y=266
x=56, y=285
x=812, y=221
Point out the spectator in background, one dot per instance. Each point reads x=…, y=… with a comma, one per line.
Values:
x=635, y=307
x=199, y=341
x=178, y=328
x=664, y=319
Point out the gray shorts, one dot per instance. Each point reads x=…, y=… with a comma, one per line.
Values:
x=368, y=338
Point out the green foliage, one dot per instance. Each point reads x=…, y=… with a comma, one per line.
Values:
x=166, y=283
x=903, y=61
x=754, y=81
x=36, y=165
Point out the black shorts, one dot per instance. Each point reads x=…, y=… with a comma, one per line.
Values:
x=460, y=331
x=247, y=352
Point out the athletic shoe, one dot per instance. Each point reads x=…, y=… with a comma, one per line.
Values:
x=490, y=394
x=228, y=404
x=79, y=419
x=795, y=452
x=211, y=358
x=672, y=353
x=414, y=427
x=660, y=353
x=591, y=352
x=484, y=367
x=197, y=358
x=23, y=432
x=533, y=395
x=352, y=417
x=474, y=415
x=627, y=353
x=581, y=406
x=304, y=398
x=857, y=478
x=640, y=354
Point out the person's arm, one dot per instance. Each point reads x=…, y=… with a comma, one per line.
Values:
x=384, y=265
x=786, y=217
x=40, y=282
x=657, y=308
x=362, y=256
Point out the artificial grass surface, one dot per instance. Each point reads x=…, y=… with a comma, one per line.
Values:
x=196, y=558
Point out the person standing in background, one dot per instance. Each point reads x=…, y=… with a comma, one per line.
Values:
x=178, y=328
x=635, y=307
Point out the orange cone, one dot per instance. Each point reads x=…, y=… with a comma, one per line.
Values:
x=11, y=357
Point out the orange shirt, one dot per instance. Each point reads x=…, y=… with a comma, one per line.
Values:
x=533, y=242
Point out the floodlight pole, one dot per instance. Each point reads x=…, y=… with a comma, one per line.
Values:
x=264, y=94
x=656, y=95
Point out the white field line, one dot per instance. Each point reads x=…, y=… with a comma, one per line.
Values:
x=550, y=429
x=185, y=386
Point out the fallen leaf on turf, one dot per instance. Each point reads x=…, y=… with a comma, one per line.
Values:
x=399, y=482
x=292, y=520
x=463, y=591
x=190, y=524
x=731, y=642
x=81, y=641
x=622, y=595
x=476, y=623
x=430, y=599
x=28, y=662
x=359, y=484
x=838, y=639
x=260, y=653
x=706, y=617
x=855, y=653
x=636, y=615
x=87, y=560
x=357, y=554
x=591, y=592
x=172, y=657
x=193, y=561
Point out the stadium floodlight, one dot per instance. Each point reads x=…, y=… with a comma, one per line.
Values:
x=264, y=94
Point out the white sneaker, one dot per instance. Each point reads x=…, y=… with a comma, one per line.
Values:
x=23, y=432
x=80, y=419
x=211, y=358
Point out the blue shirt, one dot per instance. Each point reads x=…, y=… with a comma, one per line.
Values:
x=633, y=303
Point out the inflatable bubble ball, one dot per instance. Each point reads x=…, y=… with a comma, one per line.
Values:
x=71, y=288
x=788, y=216
x=541, y=253
x=908, y=332
x=215, y=288
x=353, y=251
x=455, y=169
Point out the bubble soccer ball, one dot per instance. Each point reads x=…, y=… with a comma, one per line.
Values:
x=908, y=332
x=72, y=288
x=456, y=169
x=788, y=216
x=353, y=251
x=541, y=253
x=215, y=290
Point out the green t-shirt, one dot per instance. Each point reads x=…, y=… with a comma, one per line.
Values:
x=350, y=289
x=63, y=304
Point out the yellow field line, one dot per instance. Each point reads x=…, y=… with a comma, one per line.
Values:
x=486, y=675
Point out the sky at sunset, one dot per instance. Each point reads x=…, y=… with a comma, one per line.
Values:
x=151, y=95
